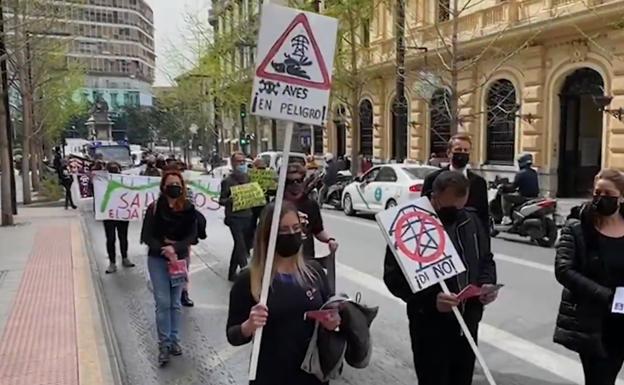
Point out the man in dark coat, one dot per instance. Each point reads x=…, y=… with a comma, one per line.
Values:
x=239, y=222
x=442, y=355
x=458, y=151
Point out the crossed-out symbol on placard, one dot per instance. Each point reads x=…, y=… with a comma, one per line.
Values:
x=427, y=237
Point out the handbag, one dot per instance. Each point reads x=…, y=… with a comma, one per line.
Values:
x=178, y=272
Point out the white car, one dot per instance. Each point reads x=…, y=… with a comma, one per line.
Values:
x=385, y=186
x=225, y=169
x=273, y=159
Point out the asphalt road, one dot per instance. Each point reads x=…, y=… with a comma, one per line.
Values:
x=515, y=335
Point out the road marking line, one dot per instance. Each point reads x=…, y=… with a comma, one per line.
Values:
x=497, y=256
x=511, y=344
x=524, y=262
x=352, y=220
x=212, y=306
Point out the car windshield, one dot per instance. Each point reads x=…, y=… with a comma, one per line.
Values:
x=291, y=159
x=119, y=154
x=418, y=172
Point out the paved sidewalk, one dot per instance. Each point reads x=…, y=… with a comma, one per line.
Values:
x=51, y=332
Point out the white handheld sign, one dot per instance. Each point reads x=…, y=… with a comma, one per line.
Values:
x=421, y=246
x=426, y=255
x=293, y=76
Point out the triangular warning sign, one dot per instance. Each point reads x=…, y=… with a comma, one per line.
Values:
x=295, y=58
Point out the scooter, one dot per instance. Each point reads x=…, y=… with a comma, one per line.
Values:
x=534, y=219
x=333, y=196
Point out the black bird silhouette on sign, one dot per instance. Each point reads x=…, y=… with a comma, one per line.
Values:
x=296, y=59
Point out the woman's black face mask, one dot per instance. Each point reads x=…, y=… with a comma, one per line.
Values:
x=173, y=191
x=288, y=245
x=605, y=205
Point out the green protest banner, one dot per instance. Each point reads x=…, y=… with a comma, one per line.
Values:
x=246, y=196
x=267, y=179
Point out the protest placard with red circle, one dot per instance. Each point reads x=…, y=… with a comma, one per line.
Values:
x=428, y=235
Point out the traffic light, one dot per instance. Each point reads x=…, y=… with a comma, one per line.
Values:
x=245, y=139
x=243, y=111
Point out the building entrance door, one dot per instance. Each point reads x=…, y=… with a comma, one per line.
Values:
x=580, y=134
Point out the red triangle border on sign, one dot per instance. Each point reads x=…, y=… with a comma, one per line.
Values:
x=261, y=71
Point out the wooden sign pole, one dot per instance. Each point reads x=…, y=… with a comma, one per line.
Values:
x=270, y=256
x=470, y=339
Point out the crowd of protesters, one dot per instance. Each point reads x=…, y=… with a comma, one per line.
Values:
x=587, y=264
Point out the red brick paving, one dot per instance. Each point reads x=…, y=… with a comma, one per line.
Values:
x=38, y=346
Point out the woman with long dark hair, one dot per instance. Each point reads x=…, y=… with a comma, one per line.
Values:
x=590, y=266
x=169, y=228
x=297, y=286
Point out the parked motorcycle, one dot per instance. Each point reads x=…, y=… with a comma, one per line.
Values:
x=333, y=196
x=534, y=219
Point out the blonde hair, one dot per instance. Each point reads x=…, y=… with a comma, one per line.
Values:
x=303, y=273
x=612, y=175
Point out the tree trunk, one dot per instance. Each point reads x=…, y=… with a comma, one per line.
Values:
x=26, y=98
x=6, y=170
x=454, y=102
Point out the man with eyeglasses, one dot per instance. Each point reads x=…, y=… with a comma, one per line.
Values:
x=308, y=209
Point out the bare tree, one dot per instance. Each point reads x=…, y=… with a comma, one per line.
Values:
x=350, y=75
x=5, y=169
x=448, y=55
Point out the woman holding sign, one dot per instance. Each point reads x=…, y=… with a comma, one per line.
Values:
x=169, y=228
x=297, y=287
x=590, y=267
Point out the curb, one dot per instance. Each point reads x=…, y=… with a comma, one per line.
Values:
x=117, y=368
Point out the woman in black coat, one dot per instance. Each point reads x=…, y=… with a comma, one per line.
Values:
x=297, y=286
x=590, y=266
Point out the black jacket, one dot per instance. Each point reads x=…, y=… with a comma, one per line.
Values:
x=585, y=300
x=286, y=335
x=527, y=183
x=183, y=233
x=473, y=245
x=477, y=198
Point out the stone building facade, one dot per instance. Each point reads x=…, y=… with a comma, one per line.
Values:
x=551, y=83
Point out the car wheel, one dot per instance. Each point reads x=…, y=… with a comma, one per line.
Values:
x=347, y=205
x=391, y=203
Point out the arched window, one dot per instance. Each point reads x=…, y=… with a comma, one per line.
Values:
x=366, y=127
x=501, y=122
x=341, y=130
x=440, y=115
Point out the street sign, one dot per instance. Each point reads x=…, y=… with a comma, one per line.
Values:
x=293, y=78
x=420, y=244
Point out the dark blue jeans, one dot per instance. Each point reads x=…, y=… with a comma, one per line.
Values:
x=167, y=298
